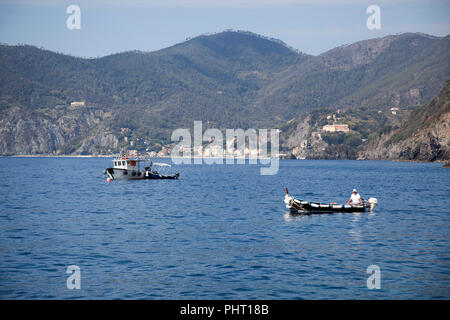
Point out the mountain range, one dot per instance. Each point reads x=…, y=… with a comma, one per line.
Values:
x=232, y=79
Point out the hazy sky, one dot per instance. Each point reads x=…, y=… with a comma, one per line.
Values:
x=115, y=26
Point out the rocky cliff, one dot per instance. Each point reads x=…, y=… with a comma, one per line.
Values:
x=425, y=136
x=62, y=130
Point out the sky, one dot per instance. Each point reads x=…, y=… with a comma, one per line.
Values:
x=311, y=26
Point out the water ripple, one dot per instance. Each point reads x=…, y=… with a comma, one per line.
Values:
x=222, y=232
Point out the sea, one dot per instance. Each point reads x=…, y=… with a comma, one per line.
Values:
x=222, y=232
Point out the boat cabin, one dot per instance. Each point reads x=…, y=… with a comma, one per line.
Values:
x=127, y=163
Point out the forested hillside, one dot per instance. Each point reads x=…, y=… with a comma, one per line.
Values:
x=134, y=100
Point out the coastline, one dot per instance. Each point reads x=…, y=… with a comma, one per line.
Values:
x=445, y=162
x=56, y=156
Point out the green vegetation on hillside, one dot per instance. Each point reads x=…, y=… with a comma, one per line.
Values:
x=227, y=80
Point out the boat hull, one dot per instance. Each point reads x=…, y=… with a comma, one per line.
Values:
x=312, y=210
x=124, y=174
x=304, y=207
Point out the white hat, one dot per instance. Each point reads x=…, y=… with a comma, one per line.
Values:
x=354, y=190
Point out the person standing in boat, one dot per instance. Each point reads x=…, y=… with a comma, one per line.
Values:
x=355, y=199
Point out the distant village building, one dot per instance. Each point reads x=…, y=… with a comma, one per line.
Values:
x=336, y=128
x=394, y=110
x=164, y=152
x=186, y=150
x=78, y=104
x=213, y=151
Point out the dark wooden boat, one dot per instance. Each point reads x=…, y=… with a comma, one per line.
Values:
x=305, y=207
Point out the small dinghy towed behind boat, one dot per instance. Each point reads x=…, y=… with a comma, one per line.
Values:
x=129, y=168
x=304, y=207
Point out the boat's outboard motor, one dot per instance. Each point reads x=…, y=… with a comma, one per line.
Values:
x=373, y=202
x=287, y=199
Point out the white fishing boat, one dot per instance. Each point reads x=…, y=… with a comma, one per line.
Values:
x=127, y=167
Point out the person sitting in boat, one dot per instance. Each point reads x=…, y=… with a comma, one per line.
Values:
x=355, y=199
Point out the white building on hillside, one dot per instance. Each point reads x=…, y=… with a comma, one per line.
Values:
x=78, y=104
x=336, y=128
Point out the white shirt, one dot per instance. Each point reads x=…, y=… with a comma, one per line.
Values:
x=355, y=198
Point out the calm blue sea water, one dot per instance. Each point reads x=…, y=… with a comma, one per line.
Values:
x=222, y=232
